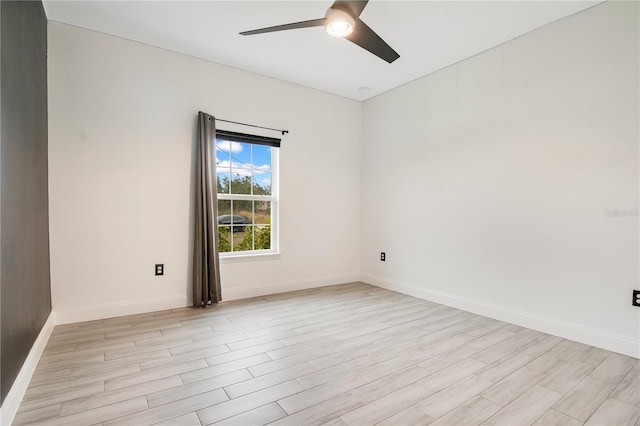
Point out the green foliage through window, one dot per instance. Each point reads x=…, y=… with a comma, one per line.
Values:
x=261, y=240
x=241, y=185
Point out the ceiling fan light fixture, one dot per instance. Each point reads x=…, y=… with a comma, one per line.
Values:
x=339, y=23
x=340, y=20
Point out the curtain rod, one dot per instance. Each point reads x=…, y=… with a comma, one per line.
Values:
x=253, y=125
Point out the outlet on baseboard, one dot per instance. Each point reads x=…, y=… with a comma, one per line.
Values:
x=159, y=268
x=636, y=298
x=383, y=256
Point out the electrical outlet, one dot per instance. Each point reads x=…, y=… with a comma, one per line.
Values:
x=383, y=256
x=636, y=298
x=159, y=268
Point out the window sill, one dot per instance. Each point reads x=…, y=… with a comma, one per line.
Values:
x=250, y=257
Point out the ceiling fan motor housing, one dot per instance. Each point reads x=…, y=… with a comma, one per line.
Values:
x=339, y=23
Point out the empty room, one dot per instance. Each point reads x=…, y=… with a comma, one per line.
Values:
x=320, y=213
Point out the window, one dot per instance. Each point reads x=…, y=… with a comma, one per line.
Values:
x=247, y=180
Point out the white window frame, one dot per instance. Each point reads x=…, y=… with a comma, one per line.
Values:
x=274, y=251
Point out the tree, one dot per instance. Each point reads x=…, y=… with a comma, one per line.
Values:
x=241, y=185
x=224, y=239
x=262, y=239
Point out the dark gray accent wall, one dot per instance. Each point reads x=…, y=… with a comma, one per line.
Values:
x=25, y=299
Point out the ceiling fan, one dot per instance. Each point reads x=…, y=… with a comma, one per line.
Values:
x=343, y=20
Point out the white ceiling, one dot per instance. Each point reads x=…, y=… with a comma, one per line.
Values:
x=428, y=35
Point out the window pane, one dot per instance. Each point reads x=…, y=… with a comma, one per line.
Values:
x=262, y=237
x=240, y=155
x=223, y=180
x=240, y=181
x=238, y=237
x=262, y=170
x=262, y=213
x=243, y=211
x=262, y=184
x=224, y=239
x=224, y=230
x=224, y=209
x=223, y=153
x=244, y=240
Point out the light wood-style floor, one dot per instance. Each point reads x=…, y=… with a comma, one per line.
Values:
x=350, y=354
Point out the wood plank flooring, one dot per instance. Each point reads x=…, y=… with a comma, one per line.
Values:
x=351, y=354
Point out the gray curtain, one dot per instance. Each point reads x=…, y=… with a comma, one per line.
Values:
x=206, y=269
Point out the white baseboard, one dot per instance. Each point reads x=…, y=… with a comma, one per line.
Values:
x=129, y=307
x=285, y=286
x=578, y=333
x=12, y=402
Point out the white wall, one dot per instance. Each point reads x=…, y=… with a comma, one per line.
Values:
x=121, y=145
x=487, y=182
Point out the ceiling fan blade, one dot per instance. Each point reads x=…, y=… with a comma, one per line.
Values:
x=292, y=26
x=366, y=38
x=353, y=7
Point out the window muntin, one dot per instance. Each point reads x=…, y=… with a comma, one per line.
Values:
x=247, y=196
